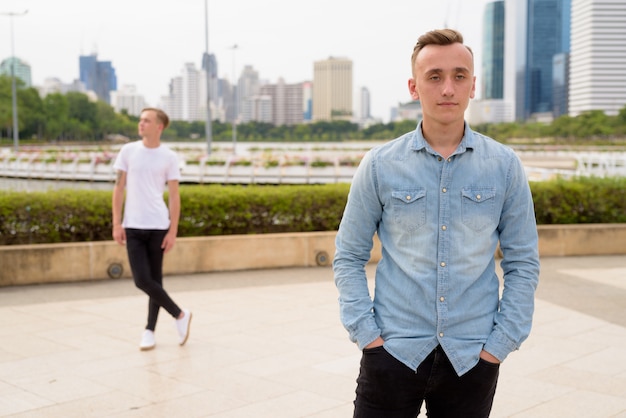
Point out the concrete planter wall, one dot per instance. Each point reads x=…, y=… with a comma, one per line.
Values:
x=56, y=263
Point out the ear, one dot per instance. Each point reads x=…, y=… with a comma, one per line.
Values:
x=413, y=89
x=473, y=92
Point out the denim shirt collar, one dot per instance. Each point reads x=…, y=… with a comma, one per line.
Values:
x=467, y=142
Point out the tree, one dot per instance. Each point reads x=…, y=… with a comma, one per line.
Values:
x=56, y=114
x=82, y=116
x=30, y=113
x=6, y=113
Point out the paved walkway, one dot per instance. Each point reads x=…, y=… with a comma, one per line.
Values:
x=269, y=344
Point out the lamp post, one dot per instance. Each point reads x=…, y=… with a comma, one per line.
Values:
x=16, y=138
x=236, y=100
x=207, y=130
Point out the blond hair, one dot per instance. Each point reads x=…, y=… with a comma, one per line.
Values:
x=160, y=114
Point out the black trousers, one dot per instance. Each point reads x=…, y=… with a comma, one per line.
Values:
x=145, y=256
x=386, y=388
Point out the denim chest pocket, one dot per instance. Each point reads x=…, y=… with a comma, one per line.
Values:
x=409, y=208
x=478, y=207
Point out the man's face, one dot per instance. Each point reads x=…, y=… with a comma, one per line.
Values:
x=443, y=81
x=149, y=125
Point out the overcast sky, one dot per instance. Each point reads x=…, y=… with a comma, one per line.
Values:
x=149, y=41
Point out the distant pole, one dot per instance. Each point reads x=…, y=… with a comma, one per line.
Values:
x=236, y=100
x=207, y=129
x=16, y=133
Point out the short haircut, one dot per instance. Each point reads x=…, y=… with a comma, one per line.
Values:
x=437, y=37
x=161, y=115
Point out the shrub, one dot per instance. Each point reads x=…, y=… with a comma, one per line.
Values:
x=85, y=215
x=581, y=200
x=79, y=215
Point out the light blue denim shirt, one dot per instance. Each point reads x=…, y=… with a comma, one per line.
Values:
x=439, y=222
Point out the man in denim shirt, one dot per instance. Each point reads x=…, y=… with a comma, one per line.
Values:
x=440, y=199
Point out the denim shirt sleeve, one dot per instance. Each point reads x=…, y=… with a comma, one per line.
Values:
x=520, y=264
x=353, y=247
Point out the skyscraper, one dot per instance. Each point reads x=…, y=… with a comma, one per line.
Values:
x=492, y=107
x=598, y=56
x=364, y=104
x=209, y=63
x=515, y=17
x=307, y=101
x=187, y=95
x=286, y=102
x=546, y=37
x=127, y=98
x=493, y=51
x=98, y=76
x=247, y=87
x=22, y=70
x=560, y=85
x=332, y=89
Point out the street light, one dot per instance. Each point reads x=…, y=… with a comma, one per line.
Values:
x=236, y=100
x=16, y=139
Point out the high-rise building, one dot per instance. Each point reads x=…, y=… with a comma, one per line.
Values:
x=247, y=87
x=127, y=98
x=493, y=106
x=21, y=68
x=257, y=108
x=560, y=85
x=98, y=76
x=364, y=104
x=286, y=102
x=515, y=12
x=209, y=66
x=332, y=89
x=193, y=100
x=493, y=51
x=187, y=95
x=307, y=101
x=547, y=36
x=598, y=56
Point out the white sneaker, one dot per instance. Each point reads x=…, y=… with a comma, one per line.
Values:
x=147, y=340
x=182, y=326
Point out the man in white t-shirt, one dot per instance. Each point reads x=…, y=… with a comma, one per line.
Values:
x=149, y=226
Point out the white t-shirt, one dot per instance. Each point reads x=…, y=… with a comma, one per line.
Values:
x=147, y=172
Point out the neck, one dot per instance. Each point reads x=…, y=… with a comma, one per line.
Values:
x=443, y=138
x=150, y=142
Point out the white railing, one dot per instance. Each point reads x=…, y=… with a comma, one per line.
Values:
x=204, y=171
x=601, y=164
x=305, y=166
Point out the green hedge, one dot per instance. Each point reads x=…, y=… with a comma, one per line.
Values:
x=80, y=215
x=84, y=215
x=580, y=201
x=226, y=210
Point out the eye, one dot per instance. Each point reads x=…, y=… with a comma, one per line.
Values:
x=434, y=77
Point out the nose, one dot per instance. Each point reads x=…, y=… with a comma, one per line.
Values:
x=447, y=88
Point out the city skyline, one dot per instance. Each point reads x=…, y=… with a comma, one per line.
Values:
x=149, y=42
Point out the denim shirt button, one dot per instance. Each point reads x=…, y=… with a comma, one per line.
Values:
x=443, y=264
x=441, y=334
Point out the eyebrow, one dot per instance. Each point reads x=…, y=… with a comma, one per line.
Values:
x=455, y=69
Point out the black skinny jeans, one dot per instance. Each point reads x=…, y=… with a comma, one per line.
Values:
x=389, y=389
x=145, y=256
